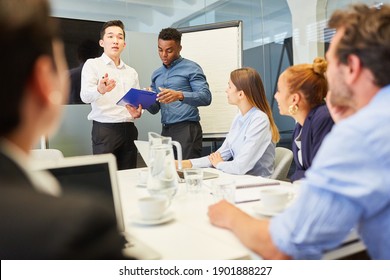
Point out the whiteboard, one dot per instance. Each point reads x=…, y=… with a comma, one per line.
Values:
x=217, y=48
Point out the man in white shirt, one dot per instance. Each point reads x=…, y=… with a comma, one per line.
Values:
x=104, y=80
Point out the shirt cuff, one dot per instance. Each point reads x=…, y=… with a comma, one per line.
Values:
x=200, y=162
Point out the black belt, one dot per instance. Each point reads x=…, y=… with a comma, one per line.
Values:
x=168, y=125
x=115, y=124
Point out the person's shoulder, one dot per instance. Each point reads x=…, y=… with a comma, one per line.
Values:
x=321, y=114
x=191, y=62
x=258, y=117
x=186, y=60
x=257, y=113
x=94, y=61
x=58, y=221
x=130, y=69
x=321, y=109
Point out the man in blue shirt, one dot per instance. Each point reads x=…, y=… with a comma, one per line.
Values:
x=182, y=87
x=348, y=185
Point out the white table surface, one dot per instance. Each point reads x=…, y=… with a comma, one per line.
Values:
x=189, y=235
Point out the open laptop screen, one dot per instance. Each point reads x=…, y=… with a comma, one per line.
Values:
x=85, y=178
x=95, y=174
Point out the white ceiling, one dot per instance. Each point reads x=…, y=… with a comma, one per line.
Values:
x=264, y=20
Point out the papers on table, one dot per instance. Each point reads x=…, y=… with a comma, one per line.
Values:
x=135, y=97
x=247, y=187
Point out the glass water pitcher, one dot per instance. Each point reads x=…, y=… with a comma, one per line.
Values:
x=162, y=177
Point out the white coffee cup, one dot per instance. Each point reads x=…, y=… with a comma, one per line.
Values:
x=153, y=207
x=275, y=199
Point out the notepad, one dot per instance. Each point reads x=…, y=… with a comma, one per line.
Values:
x=136, y=97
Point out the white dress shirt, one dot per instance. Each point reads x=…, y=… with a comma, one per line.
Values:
x=104, y=108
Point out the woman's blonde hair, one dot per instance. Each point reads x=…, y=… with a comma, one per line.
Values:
x=248, y=80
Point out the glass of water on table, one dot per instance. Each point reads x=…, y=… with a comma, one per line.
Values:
x=193, y=178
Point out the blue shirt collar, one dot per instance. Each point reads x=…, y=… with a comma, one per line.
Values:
x=180, y=58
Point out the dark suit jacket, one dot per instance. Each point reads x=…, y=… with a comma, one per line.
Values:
x=75, y=85
x=316, y=126
x=34, y=225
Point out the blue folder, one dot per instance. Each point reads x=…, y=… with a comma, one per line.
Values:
x=135, y=97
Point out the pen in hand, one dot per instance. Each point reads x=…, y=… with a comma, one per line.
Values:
x=105, y=84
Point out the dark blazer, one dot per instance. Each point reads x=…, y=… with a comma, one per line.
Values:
x=34, y=225
x=316, y=126
x=75, y=85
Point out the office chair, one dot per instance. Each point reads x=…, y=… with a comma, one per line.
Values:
x=283, y=160
x=46, y=154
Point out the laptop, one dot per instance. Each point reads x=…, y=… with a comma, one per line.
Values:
x=143, y=149
x=98, y=174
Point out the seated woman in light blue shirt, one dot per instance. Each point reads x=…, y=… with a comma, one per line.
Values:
x=249, y=147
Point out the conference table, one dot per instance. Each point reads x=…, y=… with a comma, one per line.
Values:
x=185, y=231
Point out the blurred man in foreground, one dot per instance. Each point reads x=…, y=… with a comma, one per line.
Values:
x=37, y=222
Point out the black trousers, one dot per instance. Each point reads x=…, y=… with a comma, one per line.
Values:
x=118, y=139
x=188, y=134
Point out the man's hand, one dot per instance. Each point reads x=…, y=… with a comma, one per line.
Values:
x=167, y=95
x=338, y=113
x=223, y=213
x=134, y=112
x=105, y=85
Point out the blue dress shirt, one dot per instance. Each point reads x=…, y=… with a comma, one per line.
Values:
x=347, y=186
x=186, y=76
x=248, y=147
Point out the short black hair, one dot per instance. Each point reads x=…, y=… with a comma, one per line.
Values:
x=170, y=34
x=112, y=23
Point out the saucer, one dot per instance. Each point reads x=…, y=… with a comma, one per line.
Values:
x=167, y=217
x=261, y=210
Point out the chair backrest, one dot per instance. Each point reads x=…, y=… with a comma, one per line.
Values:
x=46, y=154
x=283, y=159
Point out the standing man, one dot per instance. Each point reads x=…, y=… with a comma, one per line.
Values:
x=348, y=185
x=182, y=87
x=104, y=80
